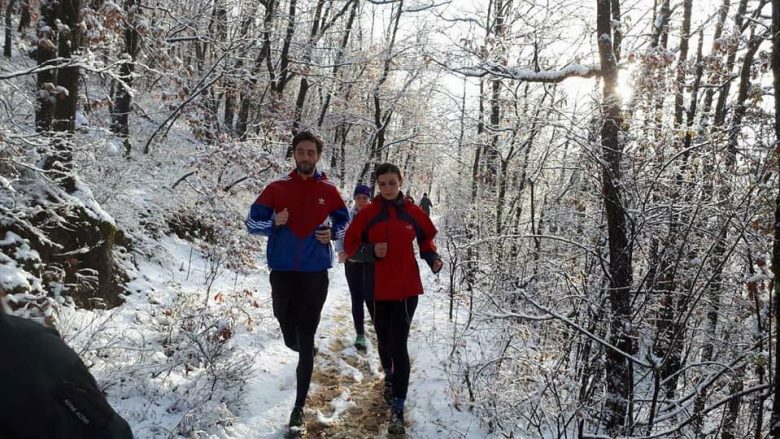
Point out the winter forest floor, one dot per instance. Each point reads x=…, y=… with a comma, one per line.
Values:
x=162, y=394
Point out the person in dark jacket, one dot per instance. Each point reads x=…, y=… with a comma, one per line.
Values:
x=383, y=232
x=425, y=204
x=300, y=214
x=46, y=391
x=359, y=274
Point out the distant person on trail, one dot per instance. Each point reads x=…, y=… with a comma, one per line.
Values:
x=47, y=391
x=409, y=198
x=384, y=232
x=425, y=204
x=360, y=275
x=295, y=212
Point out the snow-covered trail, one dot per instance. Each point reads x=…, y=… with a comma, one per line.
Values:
x=345, y=398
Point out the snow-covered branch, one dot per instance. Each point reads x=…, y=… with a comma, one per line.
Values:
x=83, y=63
x=528, y=75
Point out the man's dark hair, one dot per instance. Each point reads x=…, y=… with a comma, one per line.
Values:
x=387, y=168
x=307, y=135
x=425, y=194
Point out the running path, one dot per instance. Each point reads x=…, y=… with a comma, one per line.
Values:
x=345, y=399
x=345, y=395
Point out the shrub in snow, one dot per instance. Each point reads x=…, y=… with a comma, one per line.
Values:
x=176, y=366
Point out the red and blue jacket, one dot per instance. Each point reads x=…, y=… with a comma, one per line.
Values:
x=309, y=202
x=398, y=223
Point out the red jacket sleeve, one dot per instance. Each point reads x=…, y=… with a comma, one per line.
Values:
x=425, y=235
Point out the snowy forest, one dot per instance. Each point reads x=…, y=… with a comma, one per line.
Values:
x=605, y=180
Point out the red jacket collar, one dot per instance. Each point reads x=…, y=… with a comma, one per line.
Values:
x=379, y=200
x=317, y=176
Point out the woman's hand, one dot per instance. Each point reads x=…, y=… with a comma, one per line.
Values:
x=380, y=249
x=436, y=266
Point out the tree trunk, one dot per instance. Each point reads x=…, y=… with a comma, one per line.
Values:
x=213, y=98
x=492, y=156
x=475, y=169
x=502, y=182
x=343, y=154
x=589, y=371
x=230, y=105
x=661, y=25
x=24, y=16
x=708, y=96
x=472, y=225
x=691, y=113
x=303, y=89
x=525, y=147
x=64, y=122
x=462, y=125
x=740, y=108
x=334, y=155
x=775, y=422
x=759, y=335
x=284, y=60
x=618, y=410
x=122, y=98
x=68, y=44
x=9, y=10
x=247, y=100
x=339, y=58
x=617, y=33
x=491, y=152
x=232, y=91
x=731, y=417
x=682, y=61
x=46, y=52
x=670, y=330
x=720, y=107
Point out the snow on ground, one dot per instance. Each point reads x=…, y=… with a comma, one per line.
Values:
x=225, y=372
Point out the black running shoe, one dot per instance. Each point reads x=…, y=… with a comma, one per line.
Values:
x=296, y=420
x=396, y=425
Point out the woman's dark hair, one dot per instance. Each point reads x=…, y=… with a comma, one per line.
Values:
x=307, y=135
x=387, y=168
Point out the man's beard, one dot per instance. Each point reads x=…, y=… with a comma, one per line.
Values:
x=304, y=168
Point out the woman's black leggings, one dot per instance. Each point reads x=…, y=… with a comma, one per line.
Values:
x=360, y=280
x=392, y=321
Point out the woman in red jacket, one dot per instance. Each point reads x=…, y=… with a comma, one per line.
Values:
x=384, y=232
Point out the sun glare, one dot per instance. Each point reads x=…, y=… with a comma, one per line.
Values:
x=624, y=87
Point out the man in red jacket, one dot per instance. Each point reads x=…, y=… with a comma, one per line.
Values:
x=384, y=232
x=300, y=213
